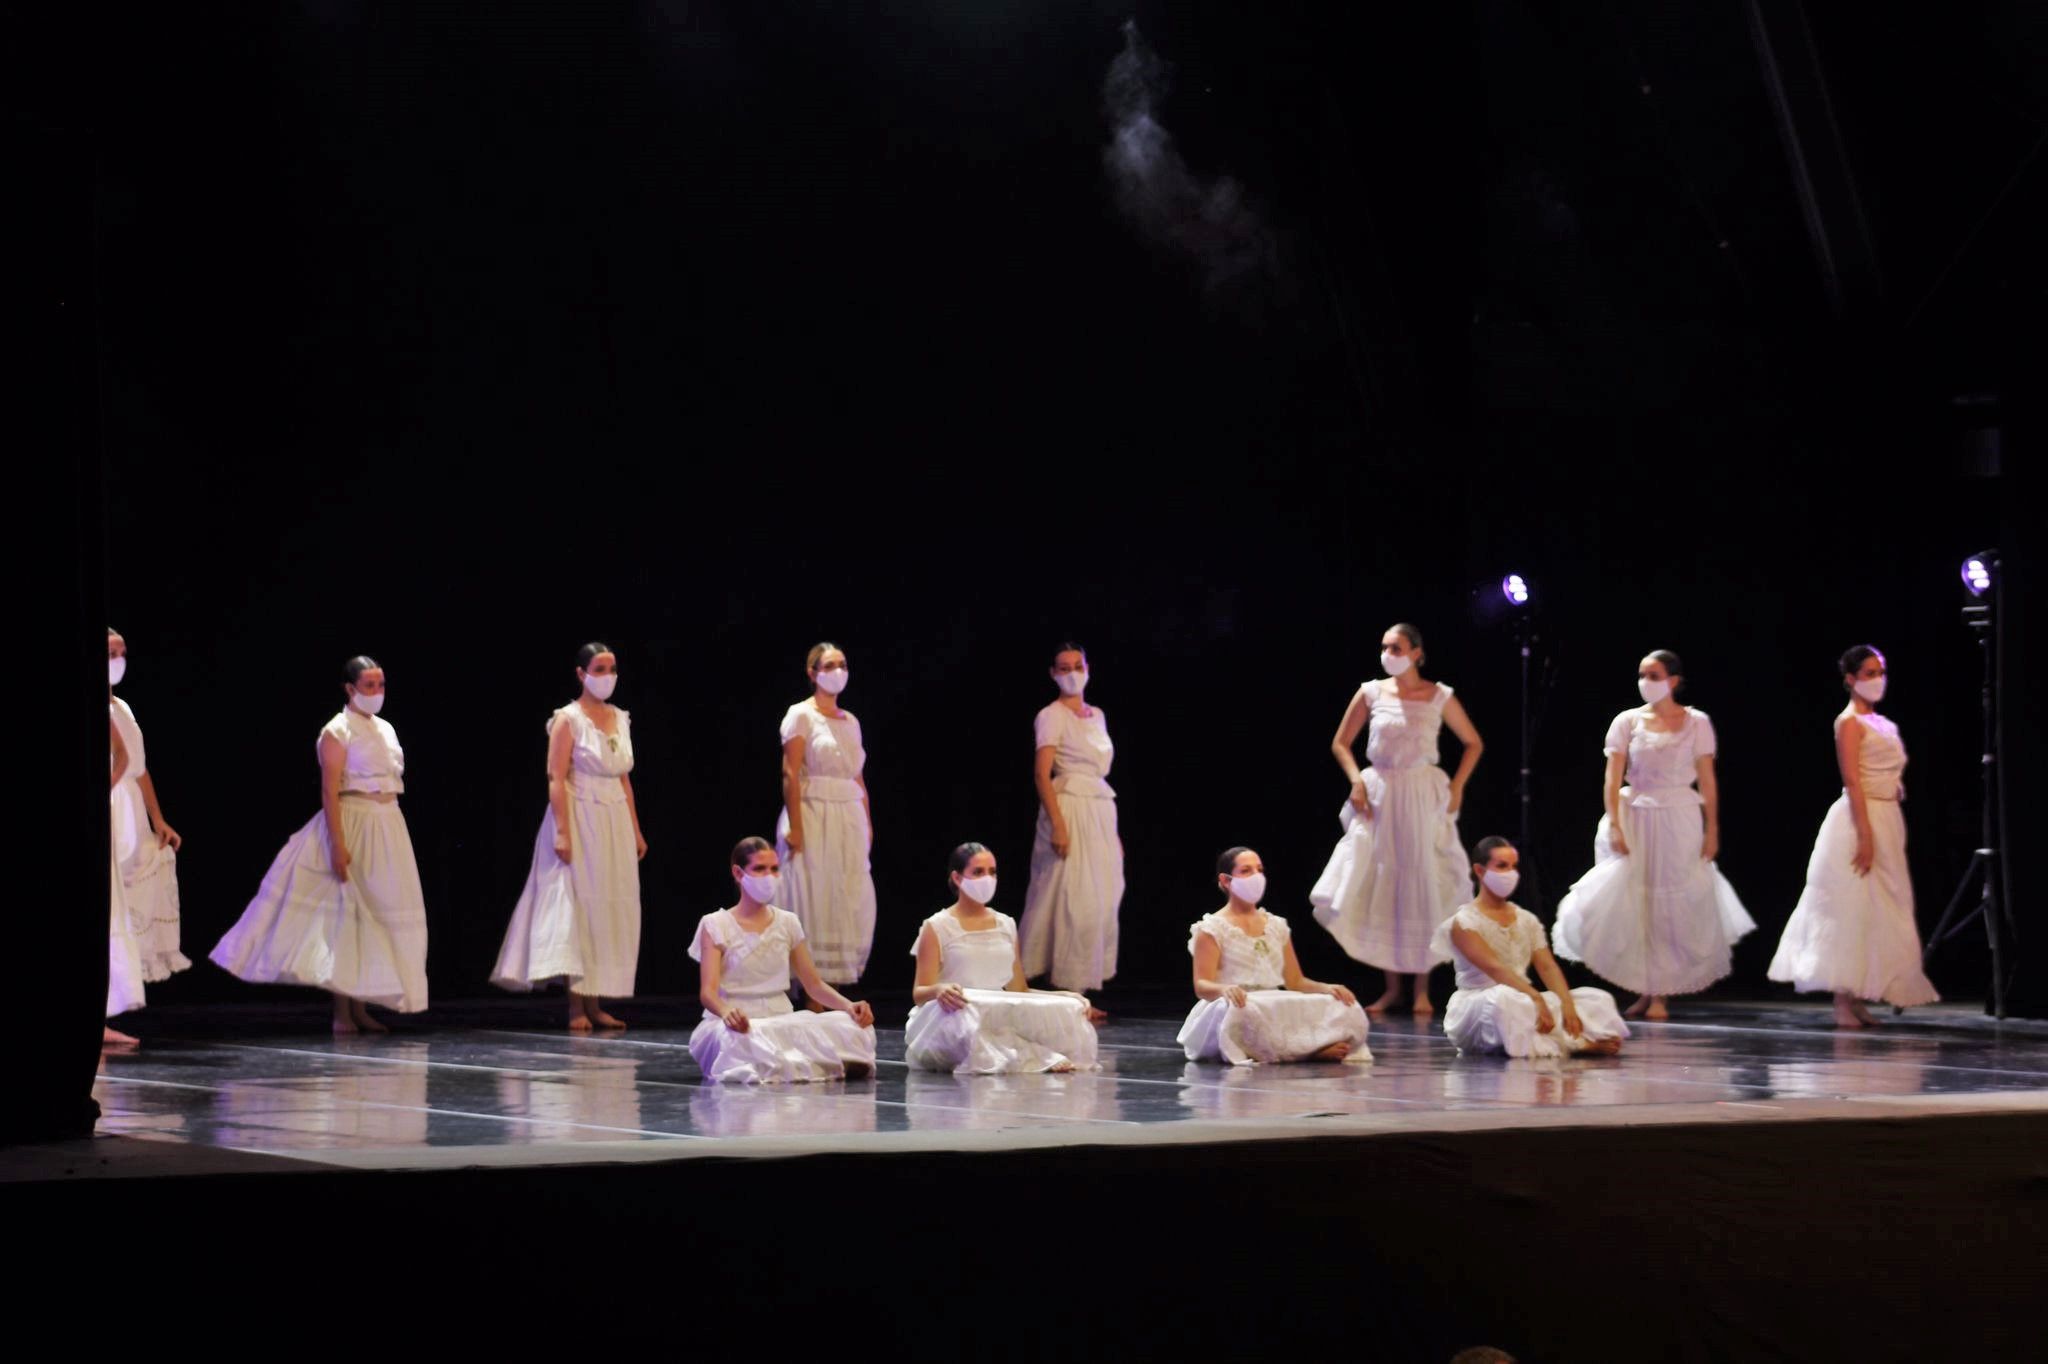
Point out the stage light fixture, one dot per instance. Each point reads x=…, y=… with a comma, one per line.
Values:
x=1516, y=589
x=1978, y=573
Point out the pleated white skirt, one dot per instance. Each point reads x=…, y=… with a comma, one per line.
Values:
x=1001, y=1032
x=1070, y=912
x=1272, y=1026
x=1501, y=1021
x=124, y=962
x=1856, y=933
x=365, y=937
x=149, y=884
x=1659, y=921
x=1394, y=877
x=578, y=921
x=829, y=888
x=781, y=1048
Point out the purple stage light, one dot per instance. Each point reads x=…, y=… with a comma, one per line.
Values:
x=1516, y=589
x=1977, y=574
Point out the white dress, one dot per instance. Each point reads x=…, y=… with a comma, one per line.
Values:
x=1485, y=1016
x=828, y=885
x=365, y=937
x=1397, y=875
x=579, y=921
x=149, y=873
x=1070, y=909
x=1275, y=1023
x=1659, y=921
x=1850, y=932
x=779, y=1043
x=1001, y=1030
x=124, y=962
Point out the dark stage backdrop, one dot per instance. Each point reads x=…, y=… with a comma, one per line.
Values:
x=712, y=331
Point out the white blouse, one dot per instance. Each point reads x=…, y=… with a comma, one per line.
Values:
x=1662, y=767
x=1514, y=945
x=974, y=959
x=1403, y=734
x=376, y=762
x=1082, y=751
x=1254, y=963
x=833, y=755
x=756, y=965
x=596, y=759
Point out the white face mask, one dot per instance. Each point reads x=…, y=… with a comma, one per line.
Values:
x=1870, y=689
x=980, y=889
x=368, y=705
x=1653, y=692
x=832, y=681
x=601, y=685
x=1395, y=664
x=761, y=889
x=1250, y=889
x=1501, y=883
x=117, y=668
x=1071, y=683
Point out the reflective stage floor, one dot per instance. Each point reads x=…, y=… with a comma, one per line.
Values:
x=498, y=1087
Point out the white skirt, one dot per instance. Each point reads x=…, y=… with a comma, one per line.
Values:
x=829, y=888
x=1394, y=877
x=1659, y=921
x=779, y=1047
x=1069, y=925
x=1856, y=933
x=1273, y=1025
x=365, y=937
x=1001, y=1032
x=149, y=884
x=124, y=962
x=1501, y=1021
x=578, y=921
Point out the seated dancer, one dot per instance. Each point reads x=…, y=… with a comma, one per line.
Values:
x=749, y=1033
x=1492, y=944
x=1255, y=1004
x=975, y=1015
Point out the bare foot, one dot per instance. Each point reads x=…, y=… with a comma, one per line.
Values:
x=1384, y=1002
x=363, y=1019
x=603, y=1019
x=1059, y=1068
x=858, y=1070
x=1868, y=1019
x=1095, y=1015
x=1657, y=1013
x=1605, y=1046
x=1422, y=1008
x=1336, y=1051
x=114, y=1037
x=1637, y=1009
x=1845, y=1017
x=578, y=1023
x=345, y=1027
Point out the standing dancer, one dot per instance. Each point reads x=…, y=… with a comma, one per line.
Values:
x=975, y=1013
x=341, y=906
x=144, y=842
x=578, y=919
x=1495, y=1008
x=1077, y=859
x=124, y=962
x=1254, y=1004
x=827, y=827
x=1398, y=871
x=1655, y=915
x=1853, y=931
x=749, y=1033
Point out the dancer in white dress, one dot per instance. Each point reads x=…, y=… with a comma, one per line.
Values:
x=341, y=906
x=827, y=826
x=1853, y=931
x=1255, y=1005
x=1077, y=858
x=1655, y=915
x=124, y=962
x=578, y=919
x=750, y=1034
x=145, y=844
x=974, y=1013
x=1493, y=943
x=1398, y=870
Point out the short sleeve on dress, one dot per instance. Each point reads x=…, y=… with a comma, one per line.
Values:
x=794, y=925
x=1442, y=698
x=1531, y=929
x=709, y=935
x=1045, y=730
x=1620, y=732
x=793, y=726
x=1703, y=741
x=337, y=729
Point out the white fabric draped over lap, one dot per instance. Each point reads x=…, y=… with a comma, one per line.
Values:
x=365, y=937
x=1000, y=1030
x=779, y=1044
x=1488, y=1017
x=1070, y=910
x=1274, y=1024
x=149, y=870
x=829, y=885
x=1857, y=933
x=1395, y=876
x=579, y=921
x=1660, y=920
